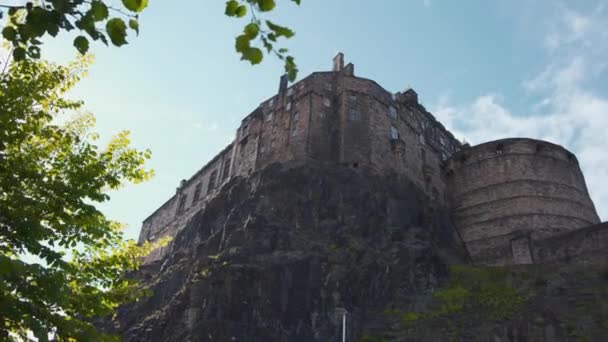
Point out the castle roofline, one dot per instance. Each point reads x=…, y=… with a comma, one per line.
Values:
x=507, y=141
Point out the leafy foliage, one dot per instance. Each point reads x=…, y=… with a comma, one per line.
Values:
x=265, y=32
x=97, y=20
x=28, y=23
x=51, y=176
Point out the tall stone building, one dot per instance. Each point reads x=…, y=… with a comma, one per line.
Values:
x=507, y=196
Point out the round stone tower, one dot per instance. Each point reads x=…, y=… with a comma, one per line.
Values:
x=510, y=189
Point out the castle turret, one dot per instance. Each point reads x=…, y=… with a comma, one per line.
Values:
x=504, y=193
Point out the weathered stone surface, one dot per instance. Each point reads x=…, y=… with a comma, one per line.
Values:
x=273, y=255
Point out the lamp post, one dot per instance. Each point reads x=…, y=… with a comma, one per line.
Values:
x=343, y=312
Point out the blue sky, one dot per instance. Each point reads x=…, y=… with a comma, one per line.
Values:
x=486, y=69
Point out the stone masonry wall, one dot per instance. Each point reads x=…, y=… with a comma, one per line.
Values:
x=329, y=116
x=502, y=189
x=505, y=195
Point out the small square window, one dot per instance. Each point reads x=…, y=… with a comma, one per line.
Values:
x=326, y=102
x=394, y=133
x=328, y=86
x=288, y=106
x=354, y=115
x=421, y=139
x=392, y=112
x=353, y=98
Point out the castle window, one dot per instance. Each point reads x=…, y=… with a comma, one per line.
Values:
x=392, y=112
x=269, y=116
x=421, y=138
x=262, y=148
x=394, y=133
x=296, y=116
x=226, y=169
x=197, y=193
x=182, y=204
x=212, y=178
x=326, y=102
x=290, y=91
x=353, y=98
x=500, y=148
x=354, y=115
x=288, y=106
x=328, y=86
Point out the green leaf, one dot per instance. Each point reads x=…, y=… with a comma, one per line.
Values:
x=242, y=43
x=82, y=44
x=241, y=11
x=280, y=30
x=9, y=33
x=253, y=55
x=99, y=10
x=296, y=1
x=117, y=30
x=252, y=30
x=134, y=25
x=62, y=6
x=266, y=5
x=231, y=7
x=33, y=51
x=135, y=5
x=19, y=54
x=291, y=68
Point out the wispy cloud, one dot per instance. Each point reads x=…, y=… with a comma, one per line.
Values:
x=567, y=111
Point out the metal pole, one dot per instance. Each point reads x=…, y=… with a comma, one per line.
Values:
x=343, y=327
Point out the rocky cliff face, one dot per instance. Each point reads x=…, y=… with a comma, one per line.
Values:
x=274, y=255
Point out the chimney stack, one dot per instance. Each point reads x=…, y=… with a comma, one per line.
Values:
x=283, y=84
x=338, y=62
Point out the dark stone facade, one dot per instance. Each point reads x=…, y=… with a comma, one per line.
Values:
x=505, y=195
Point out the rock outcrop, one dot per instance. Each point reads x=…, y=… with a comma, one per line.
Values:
x=275, y=254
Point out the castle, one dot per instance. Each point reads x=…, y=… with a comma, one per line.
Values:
x=513, y=201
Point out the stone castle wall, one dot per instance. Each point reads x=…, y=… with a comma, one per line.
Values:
x=329, y=116
x=504, y=188
x=500, y=192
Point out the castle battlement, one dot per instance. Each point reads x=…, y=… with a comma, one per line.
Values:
x=495, y=189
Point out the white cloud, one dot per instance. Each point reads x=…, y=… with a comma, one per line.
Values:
x=567, y=110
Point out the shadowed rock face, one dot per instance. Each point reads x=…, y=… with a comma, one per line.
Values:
x=275, y=254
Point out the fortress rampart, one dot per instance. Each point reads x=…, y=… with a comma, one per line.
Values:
x=513, y=186
x=502, y=193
